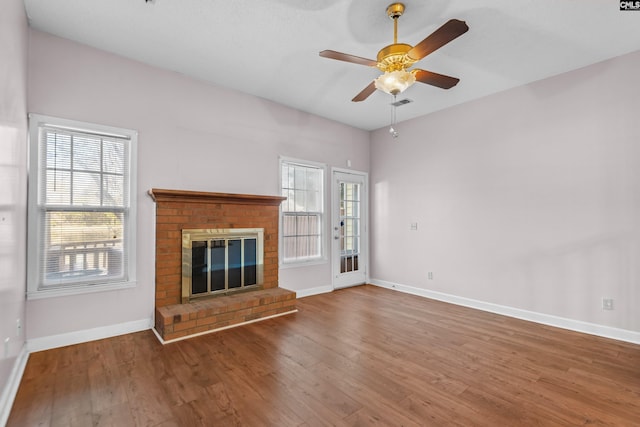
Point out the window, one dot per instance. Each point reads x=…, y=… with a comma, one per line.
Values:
x=81, y=207
x=302, y=226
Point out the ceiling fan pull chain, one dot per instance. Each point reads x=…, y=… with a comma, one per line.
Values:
x=392, y=131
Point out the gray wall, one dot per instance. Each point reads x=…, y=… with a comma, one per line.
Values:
x=13, y=184
x=528, y=199
x=191, y=136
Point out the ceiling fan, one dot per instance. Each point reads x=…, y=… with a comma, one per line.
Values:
x=396, y=58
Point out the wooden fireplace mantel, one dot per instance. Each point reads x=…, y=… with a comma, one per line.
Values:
x=161, y=195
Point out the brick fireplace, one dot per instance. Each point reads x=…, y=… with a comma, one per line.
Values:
x=178, y=210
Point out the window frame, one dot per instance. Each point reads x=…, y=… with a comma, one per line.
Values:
x=306, y=261
x=36, y=224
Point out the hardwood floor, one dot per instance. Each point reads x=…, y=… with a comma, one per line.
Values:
x=359, y=356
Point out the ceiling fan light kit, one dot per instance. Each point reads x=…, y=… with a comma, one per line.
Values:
x=395, y=82
x=395, y=59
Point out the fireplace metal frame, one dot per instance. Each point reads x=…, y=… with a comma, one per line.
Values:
x=198, y=235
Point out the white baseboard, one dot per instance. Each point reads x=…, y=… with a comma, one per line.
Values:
x=313, y=291
x=11, y=388
x=86, y=335
x=545, y=319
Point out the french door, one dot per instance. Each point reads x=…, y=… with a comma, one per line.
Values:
x=349, y=236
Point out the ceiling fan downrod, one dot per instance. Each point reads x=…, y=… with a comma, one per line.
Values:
x=395, y=11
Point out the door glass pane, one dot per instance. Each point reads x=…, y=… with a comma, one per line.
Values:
x=349, y=226
x=348, y=263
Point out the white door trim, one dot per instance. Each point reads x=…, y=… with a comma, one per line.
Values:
x=335, y=207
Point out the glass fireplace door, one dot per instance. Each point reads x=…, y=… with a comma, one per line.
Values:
x=219, y=265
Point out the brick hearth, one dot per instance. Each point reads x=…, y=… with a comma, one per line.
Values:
x=180, y=320
x=177, y=210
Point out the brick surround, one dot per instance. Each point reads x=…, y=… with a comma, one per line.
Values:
x=177, y=210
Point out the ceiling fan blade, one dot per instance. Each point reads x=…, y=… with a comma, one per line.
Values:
x=435, y=79
x=332, y=54
x=451, y=30
x=365, y=92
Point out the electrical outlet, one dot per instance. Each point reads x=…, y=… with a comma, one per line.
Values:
x=430, y=275
x=607, y=303
x=413, y=226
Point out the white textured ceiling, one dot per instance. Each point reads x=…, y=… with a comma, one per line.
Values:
x=269, y=48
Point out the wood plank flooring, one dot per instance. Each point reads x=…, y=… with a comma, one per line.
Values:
x=359, y=356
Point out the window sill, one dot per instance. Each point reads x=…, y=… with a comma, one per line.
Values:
x=78, y=290
x=306, y=263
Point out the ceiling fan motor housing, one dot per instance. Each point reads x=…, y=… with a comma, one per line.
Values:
x=394, y=57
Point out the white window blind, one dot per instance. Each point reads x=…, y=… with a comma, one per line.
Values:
x=81, y=233
x=302, y=212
